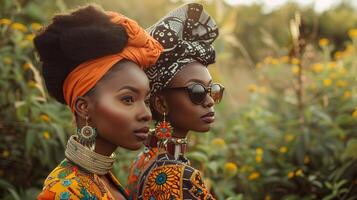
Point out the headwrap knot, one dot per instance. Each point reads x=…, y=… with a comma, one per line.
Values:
x=186, y=34
x=141, y=49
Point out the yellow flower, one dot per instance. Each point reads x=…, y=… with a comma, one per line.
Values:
x=267, y=197
x=299, y=172
x=35, y=26
x=332, y=65
x=353, y=33
x=306, y=159
x=295, y=61
x=341, y=83
x=318, y=67
x=274, y=61
x=323, y=42
x=252, y=88
x=254, y=176
x=230, y=169
x=284, y=59
x=259, y=151
x=346, y=95
x=45, y=118
x=327, y=82
x=19, y=26
x=349, y=48
x=5, y=21
x=259, y=65
x=295, y=69
x=338, y=54
x=291, y=175
x=218, y=142
x=30, y=37
x=32, y=84
x=46, y=135
x=26, y=66
x=267, y=60
x=7, y=60
x=289, y=137
x=354, y=114
x=6, y=153
x=258, y=158
x=263, y=90
x=283, y=149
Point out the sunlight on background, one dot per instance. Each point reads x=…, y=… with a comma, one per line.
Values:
x=319, y=5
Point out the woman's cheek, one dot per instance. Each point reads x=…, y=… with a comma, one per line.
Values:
x=114, y=114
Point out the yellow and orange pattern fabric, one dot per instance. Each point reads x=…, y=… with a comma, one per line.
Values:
x=69, y=182
x=142, y=161
x=167, y=178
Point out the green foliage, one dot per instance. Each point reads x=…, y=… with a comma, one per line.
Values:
x=296, y=138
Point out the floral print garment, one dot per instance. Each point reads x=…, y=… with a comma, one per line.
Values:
x=167, y=178
x=142, y=161
x=69, y=182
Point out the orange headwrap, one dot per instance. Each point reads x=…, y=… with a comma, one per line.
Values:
x=141, y=49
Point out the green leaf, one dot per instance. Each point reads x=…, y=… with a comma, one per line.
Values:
x=61, y=134
x=198, y=156
x=30, y=140
x=351, y=149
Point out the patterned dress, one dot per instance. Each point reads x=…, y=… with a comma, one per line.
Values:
x=141, y=162
x=69, y=182
x=155, y=175
x=168, y=178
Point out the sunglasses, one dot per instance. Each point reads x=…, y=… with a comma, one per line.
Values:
x=198, y=92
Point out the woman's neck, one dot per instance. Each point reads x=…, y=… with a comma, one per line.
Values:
x=104, y=147
x=179, y=133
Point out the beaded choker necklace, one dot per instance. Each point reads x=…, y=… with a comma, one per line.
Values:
x=177, y=146
x=87, y=159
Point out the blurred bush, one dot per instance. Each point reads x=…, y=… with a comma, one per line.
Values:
x=296, y=138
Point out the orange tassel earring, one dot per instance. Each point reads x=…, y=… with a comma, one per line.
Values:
x=163, y=129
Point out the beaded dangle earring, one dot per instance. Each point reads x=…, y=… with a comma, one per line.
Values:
x=163, y=131
x=87, y=135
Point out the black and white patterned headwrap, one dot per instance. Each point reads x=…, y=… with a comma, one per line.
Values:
x=186, y=34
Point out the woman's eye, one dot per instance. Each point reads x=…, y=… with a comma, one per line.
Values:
x=128, y=99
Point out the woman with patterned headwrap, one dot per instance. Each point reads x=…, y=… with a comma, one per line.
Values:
x=94, y=62
x=183, y=97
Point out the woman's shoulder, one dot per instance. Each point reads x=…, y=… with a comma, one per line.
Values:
x=67, y=181
x=139, y=165
x=169, y=178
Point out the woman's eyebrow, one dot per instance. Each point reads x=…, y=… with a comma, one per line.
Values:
x=129, y=87
x=199, y=81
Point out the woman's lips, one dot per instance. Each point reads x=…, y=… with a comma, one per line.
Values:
x=208, y=118
x=142, y=134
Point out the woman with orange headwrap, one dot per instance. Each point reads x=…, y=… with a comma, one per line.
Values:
x=93, y=61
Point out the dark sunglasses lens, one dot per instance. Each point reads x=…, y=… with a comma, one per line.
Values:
x=216, y=92
x=197, y=93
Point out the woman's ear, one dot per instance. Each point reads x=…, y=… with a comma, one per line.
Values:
x=82, y=107
x=160, y=104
